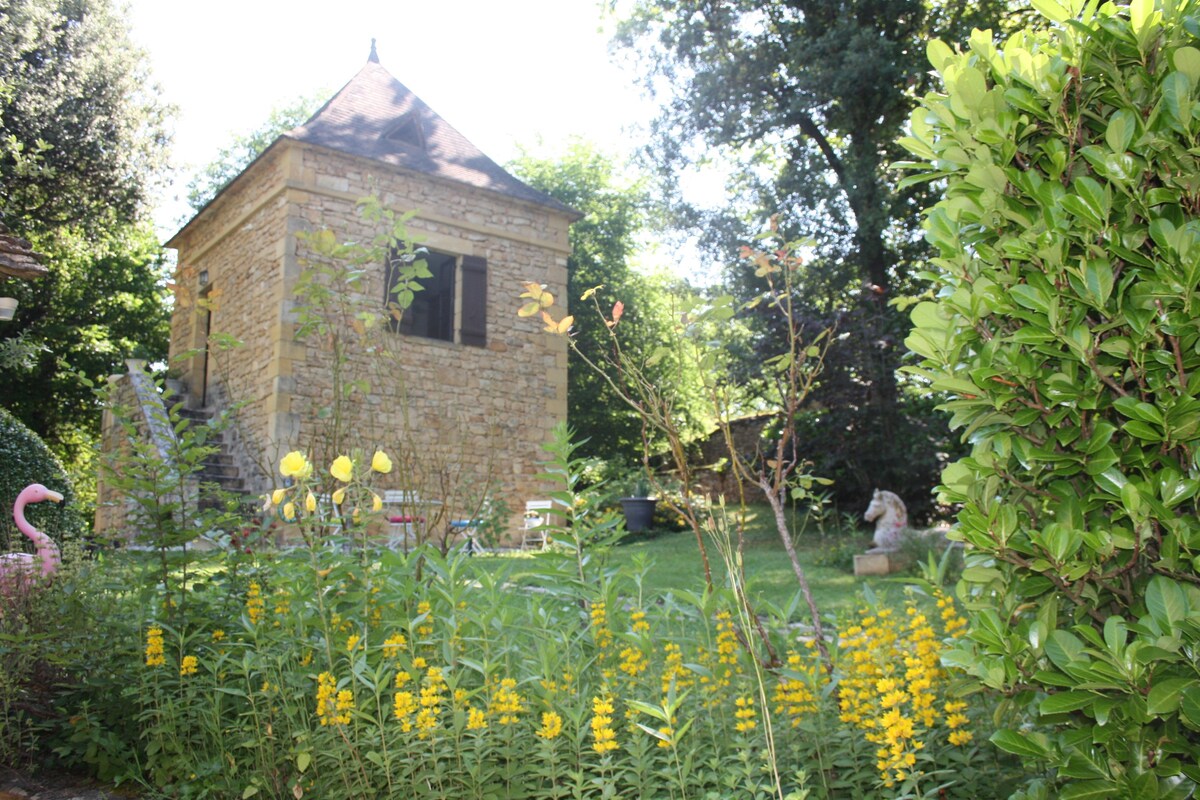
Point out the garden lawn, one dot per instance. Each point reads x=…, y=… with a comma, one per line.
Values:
x=670, y=562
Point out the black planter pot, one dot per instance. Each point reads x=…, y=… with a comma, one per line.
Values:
x=639, y=511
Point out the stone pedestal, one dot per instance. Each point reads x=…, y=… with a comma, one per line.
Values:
x=879, y=562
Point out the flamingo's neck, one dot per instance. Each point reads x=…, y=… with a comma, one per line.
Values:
x=47, y=550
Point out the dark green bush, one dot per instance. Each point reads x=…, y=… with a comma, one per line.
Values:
x=902, y=453
x=25, y=459
x=1068, y=291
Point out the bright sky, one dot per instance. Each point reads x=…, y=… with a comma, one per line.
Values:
x=503, y=72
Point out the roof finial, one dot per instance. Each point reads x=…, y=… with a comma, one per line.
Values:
x=374, y=56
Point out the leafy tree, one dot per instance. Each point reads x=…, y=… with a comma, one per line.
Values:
x=84, y=138
x=105, y=300
x=78, y=93
x=244, y=148
x=1067, y=275
x=803, y=100
x=604, y=244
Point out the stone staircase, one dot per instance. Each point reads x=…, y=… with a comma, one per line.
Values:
x=220, y=468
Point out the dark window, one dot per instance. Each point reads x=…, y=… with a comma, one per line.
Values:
x=431, y=313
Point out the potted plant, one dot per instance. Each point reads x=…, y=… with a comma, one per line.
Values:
x=639, y=506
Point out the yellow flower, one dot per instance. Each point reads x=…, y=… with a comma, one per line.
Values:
x=551, y=725
x=338, y=496
x=959, y=738
x=604, y=738
x=333, y=706
x=476, y=719
x=310, y=503
x=255, y=605
x=277, y=496
x=295, y=465
x=352, y=642
x=376, y=502
x=507, y=702
x=745, y=715
x=342, y=468
x=380, y=462
x=403, y=708
x=218, y=635
x=154, y=648
x=188, y=666
x=394, y=644
x=289, y=512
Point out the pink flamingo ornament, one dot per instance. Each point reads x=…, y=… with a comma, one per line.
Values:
x=17, y=570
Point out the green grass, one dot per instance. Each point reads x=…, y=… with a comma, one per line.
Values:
x=674, y=563
x=670, y=562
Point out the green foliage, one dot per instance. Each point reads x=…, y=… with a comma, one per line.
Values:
x=604, y=246
x=234, y=157
x=1068, y=261
x=84, y=136
x=803, y=101
x=158, y=474
x=103, y=302
x=394, y=636
x=79, y=96
x=25, y=459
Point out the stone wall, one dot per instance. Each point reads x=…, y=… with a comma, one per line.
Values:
x=714, y=475
x=458, y=419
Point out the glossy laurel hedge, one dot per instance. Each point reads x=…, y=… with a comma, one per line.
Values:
x=1067, y=274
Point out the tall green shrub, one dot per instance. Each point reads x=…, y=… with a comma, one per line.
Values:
x=25, y=459
x=1065, y=322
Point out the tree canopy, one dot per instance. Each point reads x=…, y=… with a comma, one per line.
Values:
x=79, y=94
x=85, y=137
x=616, y=213
x=804, y=99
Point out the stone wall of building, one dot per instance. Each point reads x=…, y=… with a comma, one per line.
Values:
x=459, y=420
x=229, y=283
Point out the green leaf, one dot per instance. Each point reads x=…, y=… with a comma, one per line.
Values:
x=1111, y=481
x=302, y=761
x=1177, y=98
x=1135, y=409
x=1187, y=61
x=1119, y=132
x=1031, y=297
x=1165, y=695
x=938, y=53
x=1089, y=790
x=1098, y=276
x=1051, y=10
x=1166, y=602
x=1026, y=746
x=1064, y=702
x=1063, y=647
x=1189, y=707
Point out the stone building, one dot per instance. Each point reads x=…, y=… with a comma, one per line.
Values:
x=461, y=391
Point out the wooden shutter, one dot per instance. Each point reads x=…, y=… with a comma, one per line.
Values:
x=474, y=301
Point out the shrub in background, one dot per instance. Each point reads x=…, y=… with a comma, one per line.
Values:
x=1067, y=283
x=25, y=459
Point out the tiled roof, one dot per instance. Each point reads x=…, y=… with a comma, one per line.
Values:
x=375, y=116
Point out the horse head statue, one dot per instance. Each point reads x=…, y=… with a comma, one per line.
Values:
x=890, y=516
